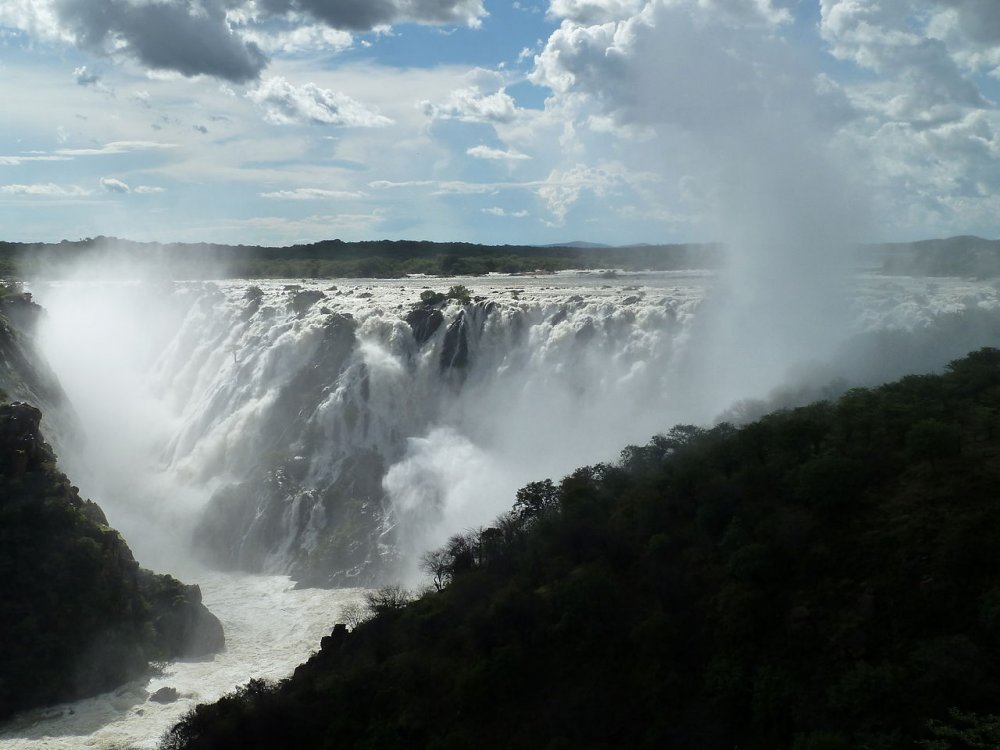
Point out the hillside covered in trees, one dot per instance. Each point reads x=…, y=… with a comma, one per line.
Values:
x=825, y=578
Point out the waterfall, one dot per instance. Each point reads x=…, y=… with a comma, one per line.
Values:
x=333, y=431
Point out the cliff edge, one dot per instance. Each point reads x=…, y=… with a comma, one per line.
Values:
x=78, y=616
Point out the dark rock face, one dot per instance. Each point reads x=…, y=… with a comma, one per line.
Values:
x=21, y=444
x=455, y=351
x=164, y=695
x=78, y=616
x=303, y=300
x=463, y=330
x=424, y=322
x=24, y=373
x=183, y=624
x=245, y=523
x=334, y=521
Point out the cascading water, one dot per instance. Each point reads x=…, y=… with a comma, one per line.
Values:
x=295, y=416
x=333, y=434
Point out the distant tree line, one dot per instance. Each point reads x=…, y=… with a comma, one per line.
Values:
x=334, y=258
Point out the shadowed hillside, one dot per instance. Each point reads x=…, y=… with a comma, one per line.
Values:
x=823, y=578
x=78, y=616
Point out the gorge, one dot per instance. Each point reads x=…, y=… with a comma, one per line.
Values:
x=334, y=431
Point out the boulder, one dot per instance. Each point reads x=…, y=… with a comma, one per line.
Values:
x=164, y=695
x=424, y=322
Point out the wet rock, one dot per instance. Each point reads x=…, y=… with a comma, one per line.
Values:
x=455, y=351
x=23, y=313
x=585, y=332
x=164, y=695
x=184, y=626
x=424, y=322
x=303, y=300
x=122, y=617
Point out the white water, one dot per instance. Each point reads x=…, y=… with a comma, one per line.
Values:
x=270, y=629
x=183, y=391
x=187, y=388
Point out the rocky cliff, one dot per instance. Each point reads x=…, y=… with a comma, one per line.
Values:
x=77, y=614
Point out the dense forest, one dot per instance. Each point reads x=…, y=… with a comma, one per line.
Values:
x=335, y=258
x=824, y=578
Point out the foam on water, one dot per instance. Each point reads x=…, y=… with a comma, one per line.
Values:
x=271, y=627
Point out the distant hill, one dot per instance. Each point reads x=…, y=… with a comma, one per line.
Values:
x=578, y=244
x=968, y=256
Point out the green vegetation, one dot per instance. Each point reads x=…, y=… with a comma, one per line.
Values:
x=11, y=289
x=77, y=614
x=825, y=578
x=459, y=293
x=337, y=259
x=956, y=256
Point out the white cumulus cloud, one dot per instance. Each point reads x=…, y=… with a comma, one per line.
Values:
x=496, y=154
x=474, y=105
x=113, y=185
x=284, y=103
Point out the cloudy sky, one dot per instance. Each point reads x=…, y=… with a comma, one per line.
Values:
x=278, y=121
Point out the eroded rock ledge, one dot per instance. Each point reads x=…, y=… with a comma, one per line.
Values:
x=78, y=616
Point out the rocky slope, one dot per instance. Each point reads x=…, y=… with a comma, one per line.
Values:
x=77, y=613
x=24, y=373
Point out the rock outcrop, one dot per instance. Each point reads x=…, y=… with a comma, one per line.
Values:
x=78, y=616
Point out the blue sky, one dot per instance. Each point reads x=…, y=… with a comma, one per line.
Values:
x=282, y=121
